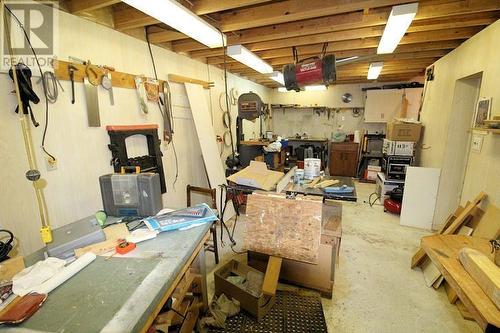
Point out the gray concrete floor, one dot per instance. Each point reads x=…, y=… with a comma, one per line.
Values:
x=375, y=290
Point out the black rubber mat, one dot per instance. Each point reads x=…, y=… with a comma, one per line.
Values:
x=292, y=313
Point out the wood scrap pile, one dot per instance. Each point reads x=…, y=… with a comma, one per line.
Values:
x=470, y=220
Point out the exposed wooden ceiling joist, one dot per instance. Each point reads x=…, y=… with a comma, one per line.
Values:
x=202, y=7
x=294, y=10
x=429, y=20
x=361, y=43
x=78, y=6
x=270, y=28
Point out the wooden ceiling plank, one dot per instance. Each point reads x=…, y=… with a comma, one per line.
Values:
x=470, y=20
x=352, y=20
x=293, y=10
x=419, y=47
x=202, y=7
x=165, y=36
x=410, y=38
x=130, y=18
x=79, y=6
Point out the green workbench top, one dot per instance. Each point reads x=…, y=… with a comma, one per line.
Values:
x=116, y=294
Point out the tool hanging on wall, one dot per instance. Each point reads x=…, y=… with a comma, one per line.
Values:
x=141, y=93
x=167, y=114
x=71, y=72
x=107, y=84
x=152, y=87
x=32, y=174
x=90, y=82
x=26, y=90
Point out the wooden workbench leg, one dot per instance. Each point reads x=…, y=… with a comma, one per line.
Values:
x=199, y=263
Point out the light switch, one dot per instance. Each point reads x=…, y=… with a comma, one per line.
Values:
x=477, y=143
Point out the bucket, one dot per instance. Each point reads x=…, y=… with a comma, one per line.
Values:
x=312, y=167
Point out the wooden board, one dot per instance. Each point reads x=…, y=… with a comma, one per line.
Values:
x=208, y=144
x=457, y=223
x=450, y=293
x=272, y=276
x=11, y=267
x=431, y=272
x=484, y=271
x=113, y=234
x=419, y=256
x=419, y=199
x=287, y=228
x=443, y=251
x=463, y=311
x=489, y=226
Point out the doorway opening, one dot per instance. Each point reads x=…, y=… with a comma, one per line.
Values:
x=458, y=143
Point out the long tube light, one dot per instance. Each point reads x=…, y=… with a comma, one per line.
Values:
x=243, y=55
x=180, y=18
x=374, y=70
x=397, y=24
x=278, y=77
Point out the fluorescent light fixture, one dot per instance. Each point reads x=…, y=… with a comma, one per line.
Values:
x=180, y=18
x=278, y=77
x=315, y=88
x=243, y=55
x=374, y=70
x=339, y=61
x=397, y=24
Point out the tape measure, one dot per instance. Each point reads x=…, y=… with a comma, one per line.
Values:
x=125, y=247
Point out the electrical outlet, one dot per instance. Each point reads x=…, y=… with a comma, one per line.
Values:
x=477, y=143
x=51, y=164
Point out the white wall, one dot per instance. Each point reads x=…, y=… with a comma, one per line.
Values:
x=476, y=55
x=72, y=191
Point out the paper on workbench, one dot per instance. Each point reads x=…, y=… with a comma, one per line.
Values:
x=31, y=277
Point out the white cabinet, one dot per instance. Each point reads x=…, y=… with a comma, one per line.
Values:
x=382, y=106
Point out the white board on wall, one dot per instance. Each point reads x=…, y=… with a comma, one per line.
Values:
x=419, y=198
x=207, y=138
x=382, y=105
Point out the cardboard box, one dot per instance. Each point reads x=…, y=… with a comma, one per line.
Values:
x=371, y=172
x=401, y=130
x=401, y=148
x=256, y=306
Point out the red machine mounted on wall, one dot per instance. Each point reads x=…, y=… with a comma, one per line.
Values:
x=316, y=70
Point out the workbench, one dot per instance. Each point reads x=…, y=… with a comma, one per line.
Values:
x=303, y=189
x=122, y=293
x=443, y=251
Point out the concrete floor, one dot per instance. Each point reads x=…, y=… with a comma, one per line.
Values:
x=375, y=290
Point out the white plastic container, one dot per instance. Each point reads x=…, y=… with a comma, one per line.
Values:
x=298, y=176
x=312, y=167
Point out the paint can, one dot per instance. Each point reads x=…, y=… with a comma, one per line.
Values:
x=312, y=167
x=298, y=176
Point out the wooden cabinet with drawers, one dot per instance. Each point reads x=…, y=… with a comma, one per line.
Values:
x=344, y=159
